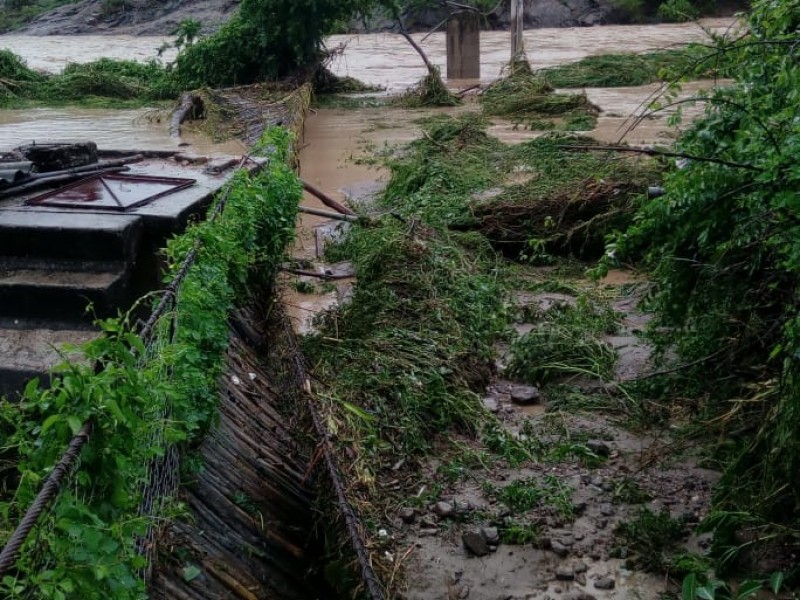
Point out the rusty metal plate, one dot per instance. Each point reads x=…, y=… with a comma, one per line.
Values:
x=112, y=191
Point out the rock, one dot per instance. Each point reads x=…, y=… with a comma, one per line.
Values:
x=563, y=574
x=607, y=510
x=524, y=394
x=566, y=540
x=492, y=535
x=599, y=447
x=580, y=567
x=491, y=404
x=580, y=578
x=409, y=515
x=559, y=548
x=602, y=523
x=443, y=509
x=428, y=521
x=578, y=595
x=605, y=583
x=475, y=542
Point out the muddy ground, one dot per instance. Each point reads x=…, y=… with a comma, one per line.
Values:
x=595, y=466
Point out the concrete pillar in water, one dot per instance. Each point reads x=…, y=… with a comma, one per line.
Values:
x=517, y=27
x=464, y=46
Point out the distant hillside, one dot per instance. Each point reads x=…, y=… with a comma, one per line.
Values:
x=162, y=17
x=136, y=17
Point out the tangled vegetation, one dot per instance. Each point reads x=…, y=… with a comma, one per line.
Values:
x=103, y=81
x=722, y=246
x=403, y=364
x=140, y=400
x=527, y=98
x=621, y=70
x=265, y=40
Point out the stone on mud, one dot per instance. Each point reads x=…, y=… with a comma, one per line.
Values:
x=475, y=542
x=492, y=535
x=524, y=394
x=491, y=404
x=605, y=583
x=408, y=515
x=599, y=447
x=559, y=548
x=443, y=509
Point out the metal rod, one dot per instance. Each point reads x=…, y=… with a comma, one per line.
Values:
x=326, y=213
x=46, y=495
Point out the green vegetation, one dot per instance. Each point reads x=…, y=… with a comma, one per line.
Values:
x=621, y=70
x=524, y=97
x=265, y=40
x=566, y=340
x=524, y=495
x=100, y=82
x=16, y=13
x=650, y=541
x=142, y=401
x=723, y=250
x=429, y=91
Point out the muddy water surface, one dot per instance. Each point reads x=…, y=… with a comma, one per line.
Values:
x=386, y=59
x=109, y=129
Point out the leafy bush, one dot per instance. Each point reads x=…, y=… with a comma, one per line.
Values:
x=724, y=249
x=265, y=40
x=678, y=11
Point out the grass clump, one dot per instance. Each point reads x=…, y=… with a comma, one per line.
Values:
x=94, y=83
x=523, y=97
x=565, y=202
x=651, y=540
x=623, y=70
x=413, y=347
x=566, y=341
x=524, y=495
x=429, y=91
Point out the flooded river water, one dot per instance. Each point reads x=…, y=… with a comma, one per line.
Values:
x=377, y=59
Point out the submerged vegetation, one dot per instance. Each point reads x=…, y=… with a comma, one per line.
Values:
x=527, y=98
x=100, y=82
x=621, y=70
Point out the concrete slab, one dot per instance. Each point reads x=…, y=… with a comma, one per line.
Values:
x=68, y=235
x=54, y=291
x=29, y=353
x=163, y=216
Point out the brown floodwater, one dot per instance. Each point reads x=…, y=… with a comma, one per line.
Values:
x=108, y=128
x=335, y=140
x=386, y=59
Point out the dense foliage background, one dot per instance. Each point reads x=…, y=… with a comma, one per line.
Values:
x=724, y=249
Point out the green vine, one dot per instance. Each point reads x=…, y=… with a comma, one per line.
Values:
x=140, y=400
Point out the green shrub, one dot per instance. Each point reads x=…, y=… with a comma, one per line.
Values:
x=723, y=246
x=678, y=11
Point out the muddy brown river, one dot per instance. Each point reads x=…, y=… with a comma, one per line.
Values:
x=378, y=59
